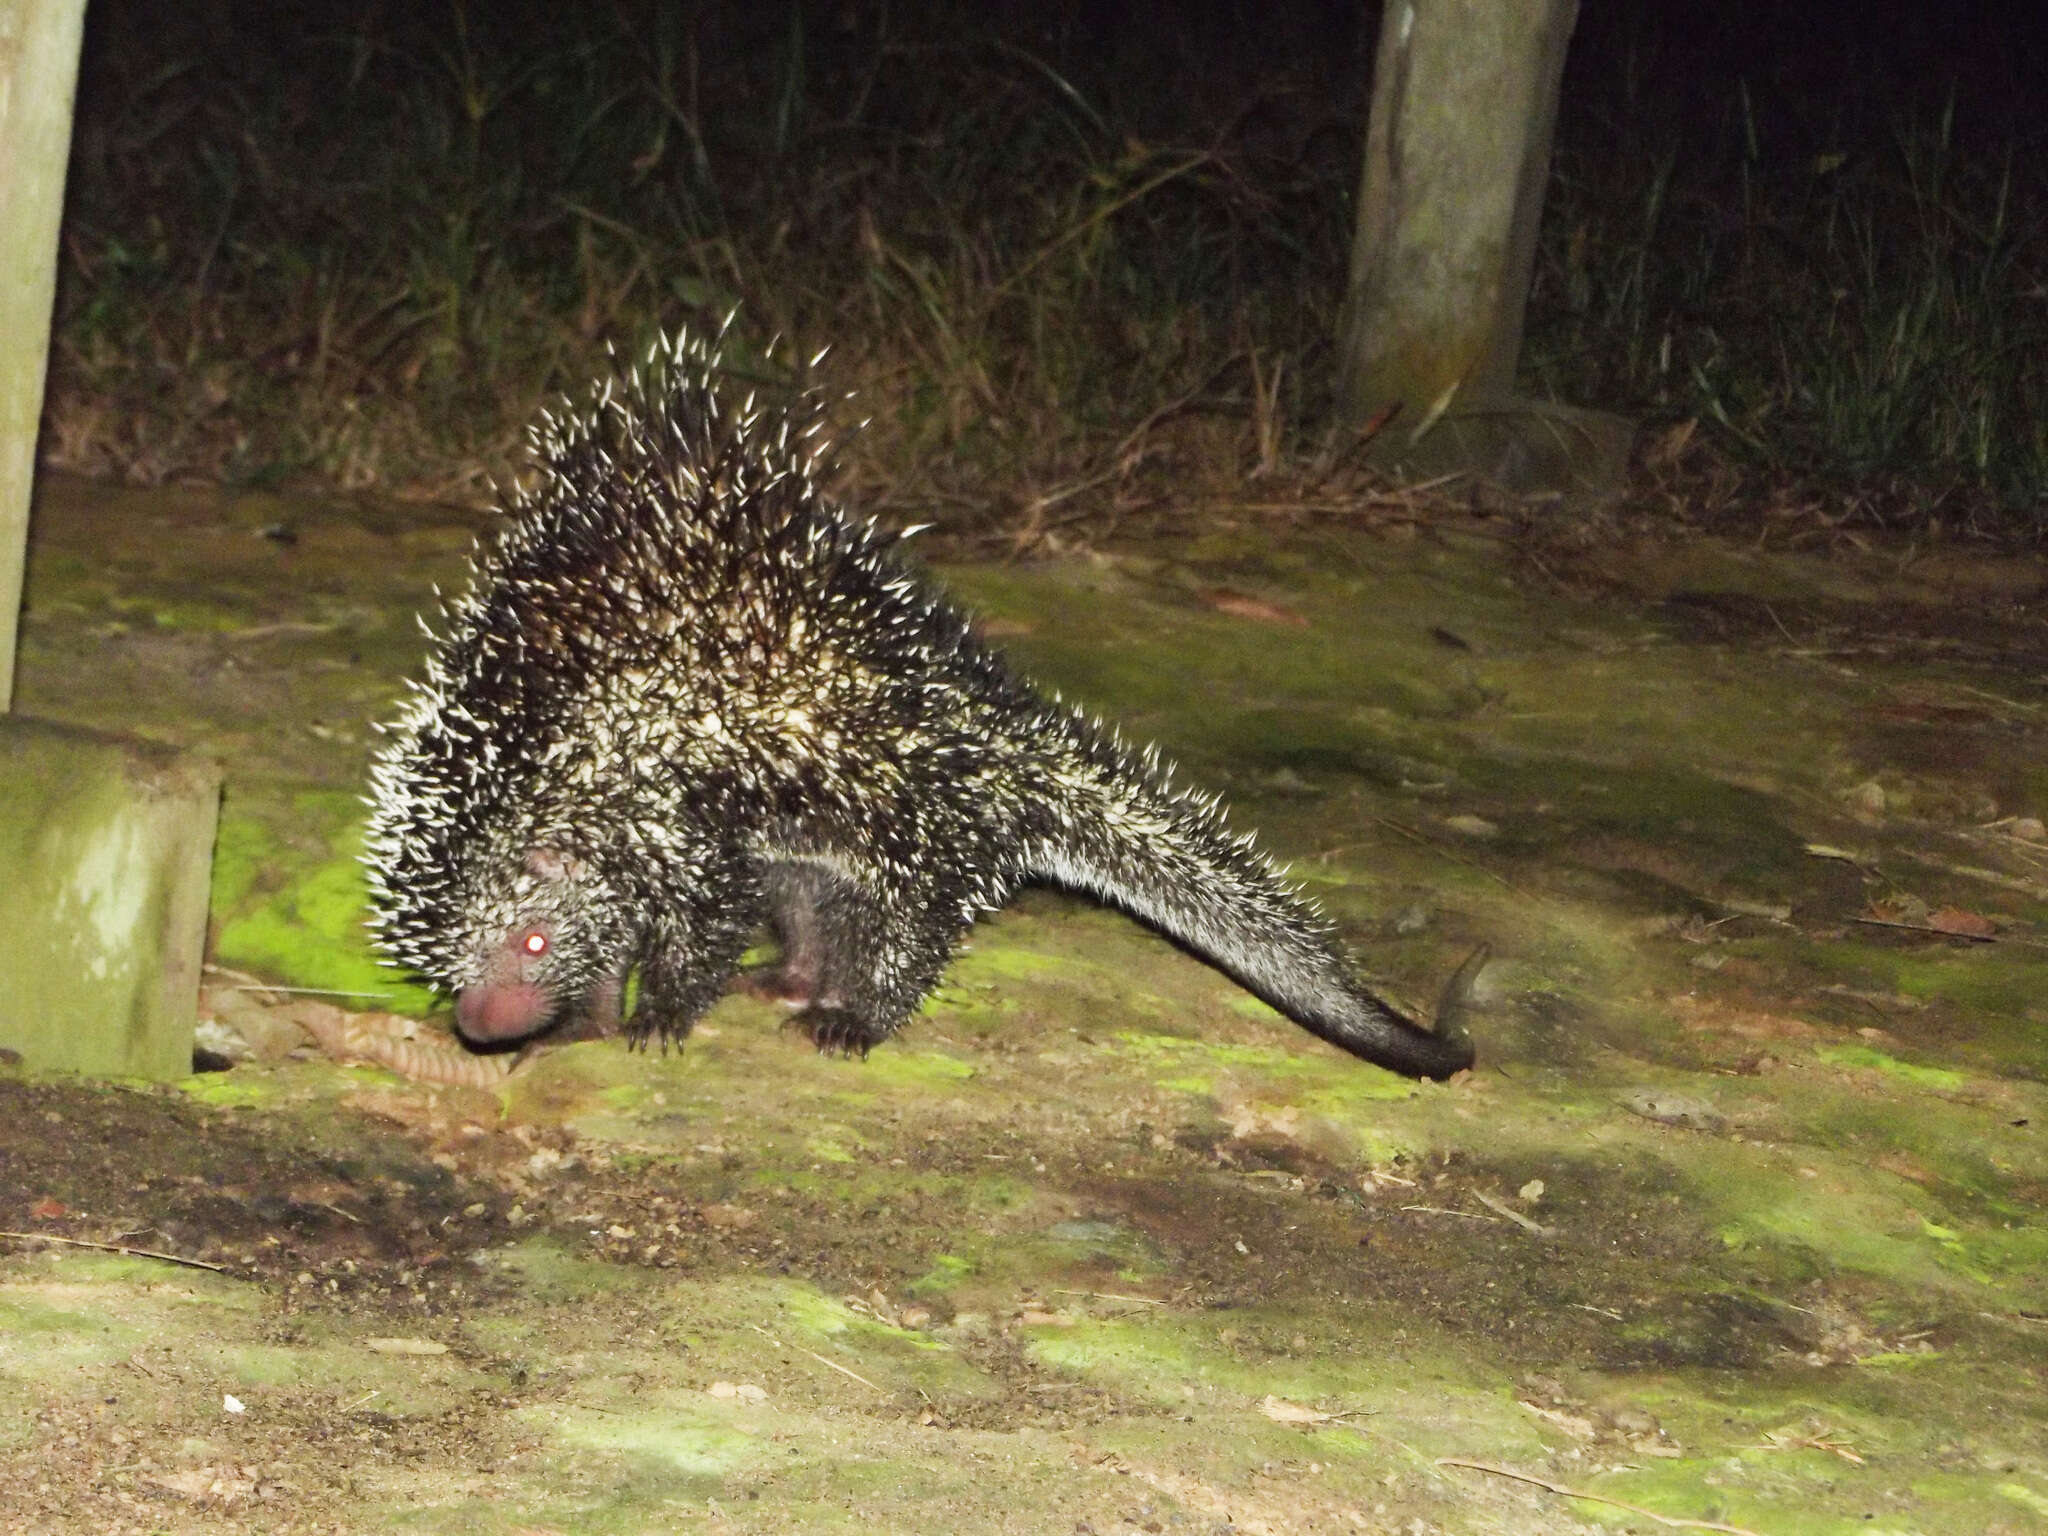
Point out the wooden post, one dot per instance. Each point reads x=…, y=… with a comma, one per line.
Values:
x=105, y=842
x=38, y=74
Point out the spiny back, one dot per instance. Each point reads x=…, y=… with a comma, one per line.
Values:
x=668, y=572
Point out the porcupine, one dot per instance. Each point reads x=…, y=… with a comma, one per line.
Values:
x=686, y=694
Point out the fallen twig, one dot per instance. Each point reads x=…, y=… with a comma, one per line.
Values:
x=1149, y=1301
x=1444, y=851
x=1501, y=1207
x=1822, y=1439
x=1946, y=933
x=834, y=1364
x=1677, y=1522
x=122, y=1248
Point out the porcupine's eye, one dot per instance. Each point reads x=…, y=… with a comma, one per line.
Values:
x=535, y=943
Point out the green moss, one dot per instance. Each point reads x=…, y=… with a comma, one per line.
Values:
x=1334, y=1087
x=49, y=1338
x=1941, y=1079
x=551, y=1273
x=898, y=1066
x=1860, y=1218
x=627, y=1097
x=1991, y=986
x=241, y=848
x=696, y=1442
x=947, y=1271
x=828, y=1150
x=1793, y=1500
x=198, y=615
x=1270, y=1061
x=301, y=921
x=228, y=1090
x=991, y=956
x=2033, y=1500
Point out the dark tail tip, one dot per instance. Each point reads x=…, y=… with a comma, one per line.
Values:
x=1402, y=1045
x=1455, y=1006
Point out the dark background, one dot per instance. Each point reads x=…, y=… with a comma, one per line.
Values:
x=356, y=244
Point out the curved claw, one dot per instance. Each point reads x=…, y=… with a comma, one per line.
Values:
x=836, y=1031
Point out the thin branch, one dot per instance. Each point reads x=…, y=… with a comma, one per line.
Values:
x=1674, y=1521
x=1945, y=933
x=122, y=1248
x=1502, y=1208
x=1438, y=1210
x=834, y=1364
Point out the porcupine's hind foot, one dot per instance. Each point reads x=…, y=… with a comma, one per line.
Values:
x=795, y=892
x=857, y=958
x=840, y=1031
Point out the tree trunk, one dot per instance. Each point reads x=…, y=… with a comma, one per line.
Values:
x=1457, y=153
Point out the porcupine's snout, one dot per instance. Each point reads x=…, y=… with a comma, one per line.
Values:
x=490, y=1012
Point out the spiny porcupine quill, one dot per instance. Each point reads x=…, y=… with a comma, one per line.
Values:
x=687, y=694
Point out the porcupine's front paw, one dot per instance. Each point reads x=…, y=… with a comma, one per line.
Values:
x=653, y=1025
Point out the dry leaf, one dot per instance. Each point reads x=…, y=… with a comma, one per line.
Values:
x=1242, y=605
x=1282, y=1412
x=1971, y=925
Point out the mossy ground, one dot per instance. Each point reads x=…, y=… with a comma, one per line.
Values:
x=1742, y=1219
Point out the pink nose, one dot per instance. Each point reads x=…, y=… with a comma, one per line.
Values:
x=486, y=1013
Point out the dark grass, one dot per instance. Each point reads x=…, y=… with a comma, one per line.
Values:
x=1837, y=260
x=360, y=247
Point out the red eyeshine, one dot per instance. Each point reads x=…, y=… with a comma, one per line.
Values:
x=535, y=944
